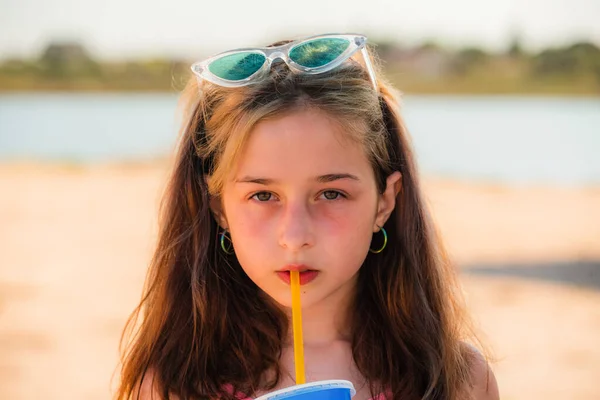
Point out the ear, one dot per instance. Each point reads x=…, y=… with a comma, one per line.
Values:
x=217, y=210
x=387, y=200
x=216, y=207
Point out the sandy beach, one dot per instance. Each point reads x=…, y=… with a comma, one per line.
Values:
x=75, y=242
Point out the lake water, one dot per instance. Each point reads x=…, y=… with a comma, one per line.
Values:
x=517, y=140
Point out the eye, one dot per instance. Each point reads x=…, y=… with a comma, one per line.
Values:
x=262, y=196
x=332, y=194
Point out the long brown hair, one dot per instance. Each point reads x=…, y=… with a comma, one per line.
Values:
x=207, y=330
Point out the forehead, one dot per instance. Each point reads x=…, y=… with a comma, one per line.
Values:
x=302, y=144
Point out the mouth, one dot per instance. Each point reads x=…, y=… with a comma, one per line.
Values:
x=306, y=274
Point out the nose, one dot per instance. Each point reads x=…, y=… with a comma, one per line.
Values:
x=296, y=228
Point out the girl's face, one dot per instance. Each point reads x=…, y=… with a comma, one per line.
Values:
x=303, y=197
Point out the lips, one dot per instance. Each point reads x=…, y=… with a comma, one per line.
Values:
x=306, y=274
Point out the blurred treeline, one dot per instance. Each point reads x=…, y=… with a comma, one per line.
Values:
x=426, y=68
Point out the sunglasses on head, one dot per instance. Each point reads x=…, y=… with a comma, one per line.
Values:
x=312, y=55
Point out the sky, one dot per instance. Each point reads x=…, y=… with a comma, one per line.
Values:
x=122, y=29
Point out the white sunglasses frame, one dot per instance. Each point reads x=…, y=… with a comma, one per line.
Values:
x=356, y=43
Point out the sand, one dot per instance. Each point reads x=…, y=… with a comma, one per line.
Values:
x=75, y=243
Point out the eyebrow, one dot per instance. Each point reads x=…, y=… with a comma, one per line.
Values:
x=321, y=179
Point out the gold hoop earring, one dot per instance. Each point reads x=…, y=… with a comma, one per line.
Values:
x=385, y=240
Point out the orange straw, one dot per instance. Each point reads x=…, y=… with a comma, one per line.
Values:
x=297, y=327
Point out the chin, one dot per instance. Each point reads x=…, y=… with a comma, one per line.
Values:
x=283, y=298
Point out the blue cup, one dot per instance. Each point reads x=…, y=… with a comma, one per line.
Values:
x=320, y=390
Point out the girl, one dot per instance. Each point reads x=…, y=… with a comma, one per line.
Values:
x=294, y=157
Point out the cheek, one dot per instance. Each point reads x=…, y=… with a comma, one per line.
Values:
x=251, y=223
x=348, y=229
x=252, y=235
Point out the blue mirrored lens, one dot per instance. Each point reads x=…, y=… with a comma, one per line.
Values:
x=318, y=52
x=238, y=66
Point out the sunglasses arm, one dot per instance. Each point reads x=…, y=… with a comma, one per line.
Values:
x=369, y=65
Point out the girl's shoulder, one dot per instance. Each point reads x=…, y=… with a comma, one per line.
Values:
x=485, y=386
